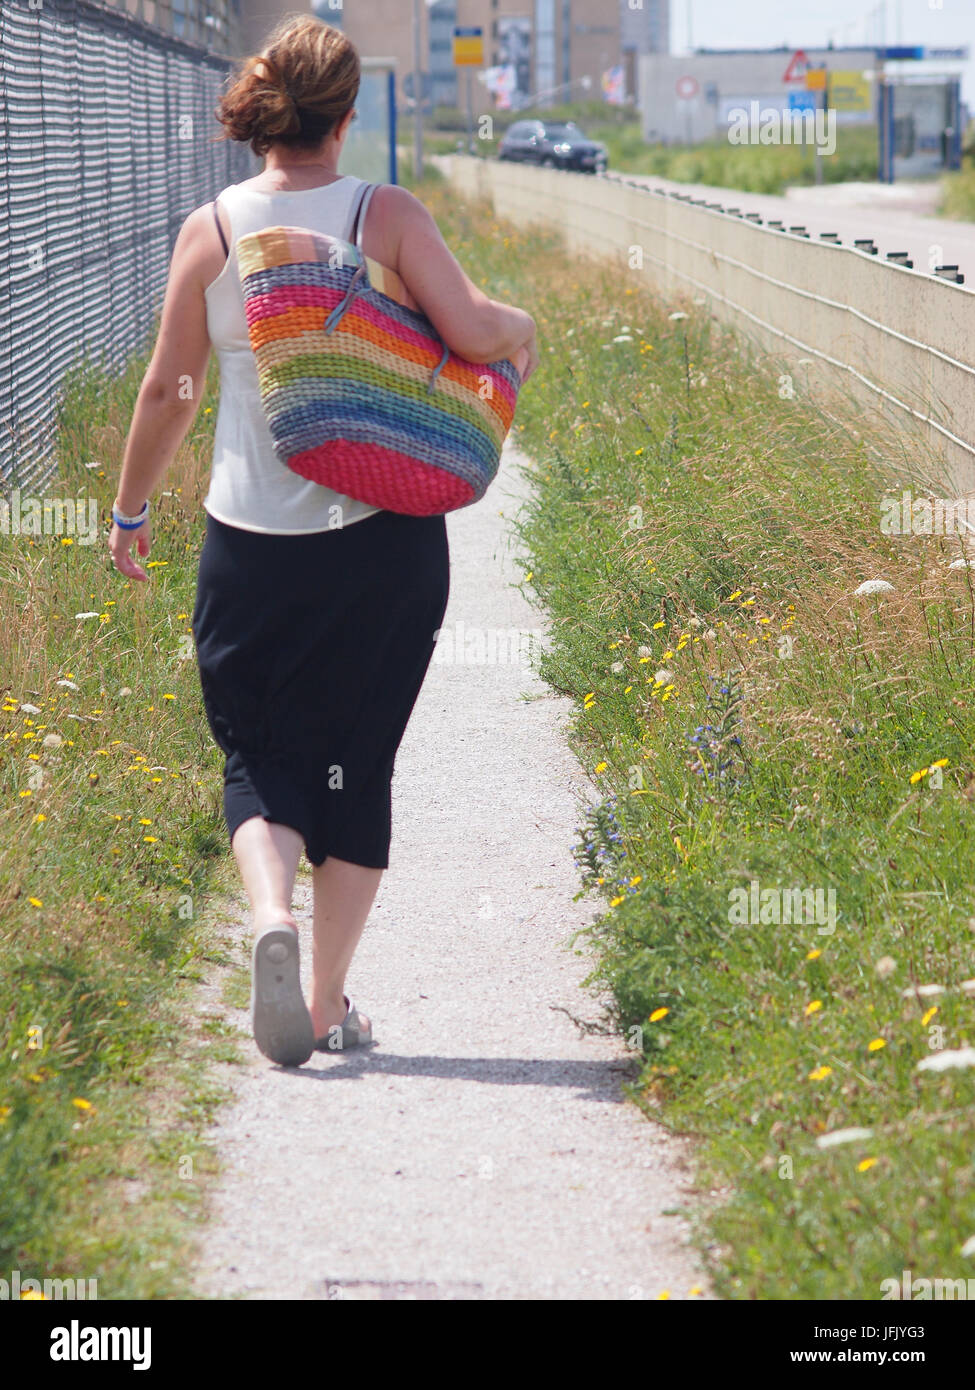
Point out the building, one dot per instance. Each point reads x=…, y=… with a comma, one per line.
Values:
x=686, y=99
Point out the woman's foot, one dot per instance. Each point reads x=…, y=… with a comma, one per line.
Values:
x=328, y=1011
x=282, y=1025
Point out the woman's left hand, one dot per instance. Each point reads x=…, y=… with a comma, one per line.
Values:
x=120, y=543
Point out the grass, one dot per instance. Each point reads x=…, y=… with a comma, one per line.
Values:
x=111, y=838
x=958, y=189
x=697, y=534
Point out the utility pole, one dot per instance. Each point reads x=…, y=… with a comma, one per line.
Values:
x=417, y=93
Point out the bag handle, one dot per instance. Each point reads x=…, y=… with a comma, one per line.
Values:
x=355, y=212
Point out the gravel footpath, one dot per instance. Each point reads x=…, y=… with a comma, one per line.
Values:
x=481, y=1149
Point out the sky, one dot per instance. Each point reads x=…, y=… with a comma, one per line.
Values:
x=770, y=23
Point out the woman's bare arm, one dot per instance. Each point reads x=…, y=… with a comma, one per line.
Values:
x=471, y=324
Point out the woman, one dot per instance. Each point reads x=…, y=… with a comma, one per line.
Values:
x=313, y=639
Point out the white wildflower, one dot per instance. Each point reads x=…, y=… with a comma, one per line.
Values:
x=30, y=709
x=969, y=1247
x=923, y=992
x=885, y=966
x=842, y=1136
x=663, y=675
x=644, y=651
x=616, y=667
x=875, y=586
x=677, y=316
x=86, y=615
x=68, y=685
x=52, y=740
x=951, y=1057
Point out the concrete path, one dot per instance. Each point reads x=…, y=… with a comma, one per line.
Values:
x=481, y=1149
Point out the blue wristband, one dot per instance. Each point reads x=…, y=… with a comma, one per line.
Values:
x=130, y=523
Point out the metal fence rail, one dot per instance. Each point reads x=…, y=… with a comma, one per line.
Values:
x=106, y=144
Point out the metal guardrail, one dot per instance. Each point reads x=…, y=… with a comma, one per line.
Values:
x=106, y=144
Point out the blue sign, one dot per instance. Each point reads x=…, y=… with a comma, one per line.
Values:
x=802, y=101
x=918, y=53
x=471, y=32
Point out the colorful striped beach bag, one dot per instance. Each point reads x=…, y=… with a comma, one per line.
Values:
x=360, y=392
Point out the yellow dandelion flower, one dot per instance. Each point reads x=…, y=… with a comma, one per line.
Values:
x=942, y=762
x=916, y=776
x=658, y=1014
x=929, y=1015
x=82, y=1104
x=143, y=821
x=876, y=1044
x=39, y=817
x=813, y=1007
x=664, y=1293
x=5, y=1110
x=737, y=594
x=27, y=792
x=35, y=902
x=694, y=1291
x=151, y=839
x=615, y=902
x=660, y=624
x=821, y=1073
x=814, y=954
x=601, y=767
x=637, y=878
x=864, y=1164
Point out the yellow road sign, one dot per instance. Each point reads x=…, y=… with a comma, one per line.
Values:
x=468, y=47
x=849, y=91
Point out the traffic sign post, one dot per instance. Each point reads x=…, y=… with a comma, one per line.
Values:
x=469, y=53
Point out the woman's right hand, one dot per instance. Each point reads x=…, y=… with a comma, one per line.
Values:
x=526, y=358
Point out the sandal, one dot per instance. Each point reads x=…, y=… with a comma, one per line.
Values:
x=353, y=1034
x=282, y=1025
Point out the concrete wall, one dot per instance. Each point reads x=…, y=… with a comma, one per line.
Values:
x=838, y=321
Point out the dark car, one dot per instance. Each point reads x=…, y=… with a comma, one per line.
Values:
x=554, y=145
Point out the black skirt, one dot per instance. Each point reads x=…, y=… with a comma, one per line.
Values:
x=312, y=650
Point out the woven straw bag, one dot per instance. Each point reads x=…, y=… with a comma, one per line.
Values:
x=359, y=391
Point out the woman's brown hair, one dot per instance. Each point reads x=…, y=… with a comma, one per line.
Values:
x=296, y=90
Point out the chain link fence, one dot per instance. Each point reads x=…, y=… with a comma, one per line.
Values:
x=106, y=144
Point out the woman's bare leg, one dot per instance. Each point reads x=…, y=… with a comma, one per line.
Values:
x=267, y=856
x=344, y=893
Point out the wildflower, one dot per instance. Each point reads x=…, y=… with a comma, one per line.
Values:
x=677, y=316
x=941, y=1061
x=658, y=1014
x=52, y=740
x=169, y=697
x=813, y=1007
x=35, y=902
x=885, y=966
x=67, y=684
x=864, y=1164
x=82, y=1104
x=29, y=709
x=929, y=1015
x=821, y=1073
x=842, y=1136
x=150, y=839
x=601, y=767
x=616, y=667
x=663, y=675
x=82, y=616
x=874, y=586
x=814, y=954
x=876, y=1044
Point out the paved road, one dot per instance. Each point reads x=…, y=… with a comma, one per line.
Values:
x=481, y=1150
x=899, y=217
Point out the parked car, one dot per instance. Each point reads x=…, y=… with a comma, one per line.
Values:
x=560, y=145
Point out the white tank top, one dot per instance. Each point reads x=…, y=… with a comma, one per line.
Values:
x=249, y=485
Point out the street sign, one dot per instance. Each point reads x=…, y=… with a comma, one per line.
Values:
x=796, y=71
x=815, y=79
x=687, y=86
x=850, y=91
x=802, y=101
x=469, y=47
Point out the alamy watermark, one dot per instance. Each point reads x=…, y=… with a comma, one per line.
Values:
x=758, y=906
x=908, y=515
x=769, y=125
x=16, y=1288
x=22, y=515
x=492, y=646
